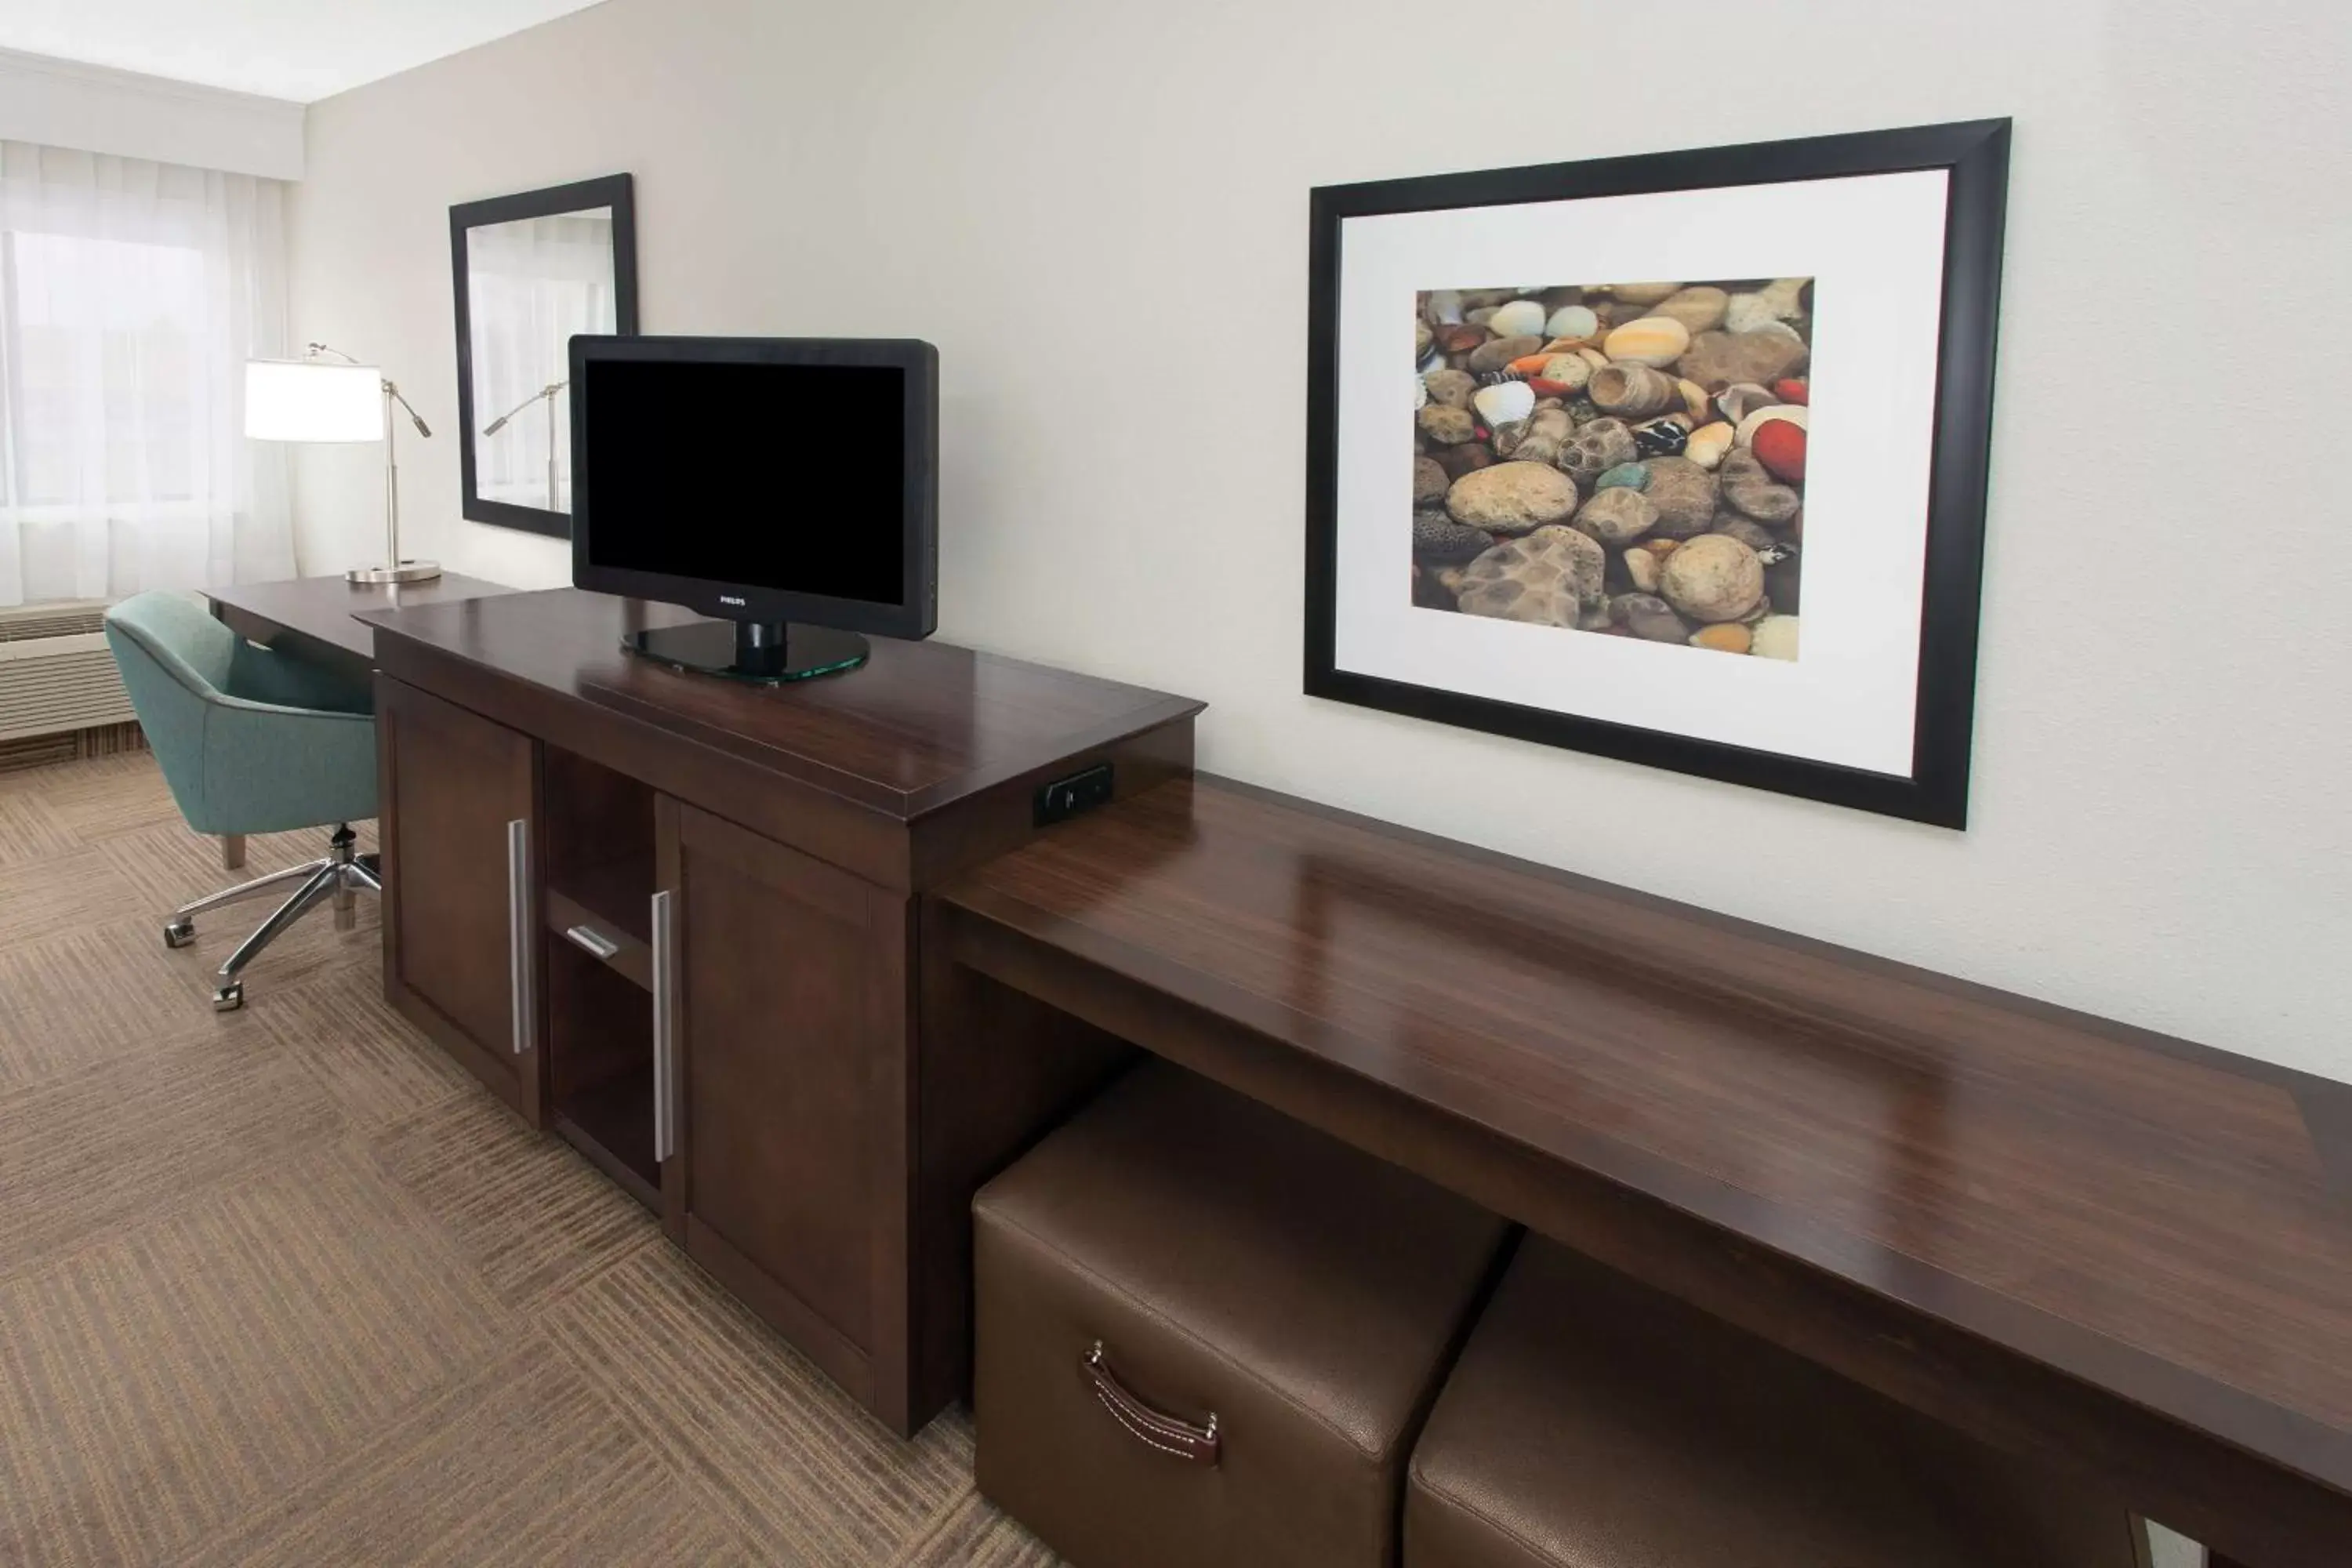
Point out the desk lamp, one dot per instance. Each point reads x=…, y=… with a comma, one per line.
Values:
x=309, y=399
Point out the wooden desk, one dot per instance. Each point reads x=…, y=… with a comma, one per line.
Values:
x=2126, y=1253
x=314, y=616
x=314, y=619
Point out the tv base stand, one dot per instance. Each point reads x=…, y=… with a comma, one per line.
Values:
x=763, y=653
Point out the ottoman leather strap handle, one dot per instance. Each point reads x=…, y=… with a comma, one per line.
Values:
x=1152, y=1427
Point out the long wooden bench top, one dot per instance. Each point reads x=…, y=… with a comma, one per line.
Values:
x=2128, y=1252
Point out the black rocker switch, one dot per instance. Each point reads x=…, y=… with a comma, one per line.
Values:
x=1065, y=798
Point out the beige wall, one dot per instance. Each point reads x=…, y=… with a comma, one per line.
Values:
x=1098, y=210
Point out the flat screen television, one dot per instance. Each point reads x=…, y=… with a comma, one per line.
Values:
x=786, y=486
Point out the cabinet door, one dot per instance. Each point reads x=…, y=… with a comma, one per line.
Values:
x=459, y=928
x=790, y=1028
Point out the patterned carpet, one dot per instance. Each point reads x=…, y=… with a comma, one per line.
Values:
x=283, y=1287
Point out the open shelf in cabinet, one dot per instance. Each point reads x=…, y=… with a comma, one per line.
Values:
x=600, y=843
x=600, y=1067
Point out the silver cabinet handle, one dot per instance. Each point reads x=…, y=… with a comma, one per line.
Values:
x=665, y=1030
x=593, y=939
x=518, y=928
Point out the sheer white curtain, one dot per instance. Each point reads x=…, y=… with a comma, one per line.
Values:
x=531, y=284
x=132, y=294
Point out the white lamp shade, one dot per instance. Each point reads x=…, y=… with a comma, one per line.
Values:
x=305, y=400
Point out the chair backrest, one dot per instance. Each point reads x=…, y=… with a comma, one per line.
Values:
x=176, y=662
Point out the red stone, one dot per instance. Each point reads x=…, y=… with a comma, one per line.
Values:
x=1792, y=390
x=1550, y=388
x=1779, y=446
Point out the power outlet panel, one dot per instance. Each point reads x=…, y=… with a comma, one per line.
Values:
x=1065, y=798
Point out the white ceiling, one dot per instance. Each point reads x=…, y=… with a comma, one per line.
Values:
x=298, y=49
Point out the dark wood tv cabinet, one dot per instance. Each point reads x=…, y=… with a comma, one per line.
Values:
x=674, y=920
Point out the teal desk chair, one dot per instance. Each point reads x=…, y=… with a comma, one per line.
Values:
x=250, y=742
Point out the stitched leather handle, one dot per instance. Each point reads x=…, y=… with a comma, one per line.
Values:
x=1198, y=1444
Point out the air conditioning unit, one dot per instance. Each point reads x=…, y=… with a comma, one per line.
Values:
x=56, y=674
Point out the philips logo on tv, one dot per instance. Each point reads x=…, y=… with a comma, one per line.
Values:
x=729, y=599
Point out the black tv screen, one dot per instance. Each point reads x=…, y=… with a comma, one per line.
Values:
x=758, y=479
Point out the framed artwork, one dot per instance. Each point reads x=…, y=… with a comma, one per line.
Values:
x=1561, y=476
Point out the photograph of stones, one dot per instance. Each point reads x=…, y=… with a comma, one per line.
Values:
x=1622, y=458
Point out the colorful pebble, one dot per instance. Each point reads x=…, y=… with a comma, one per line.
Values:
x=1779, y=446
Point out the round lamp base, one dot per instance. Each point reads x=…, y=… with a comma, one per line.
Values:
x=407, y=571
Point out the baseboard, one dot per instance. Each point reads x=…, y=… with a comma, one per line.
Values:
x=71, y=745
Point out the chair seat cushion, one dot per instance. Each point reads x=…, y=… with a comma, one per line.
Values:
x=1233, y=1263
x=1593, y=1423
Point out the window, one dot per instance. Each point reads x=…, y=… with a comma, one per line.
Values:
x=100, y=372
x=132, y=294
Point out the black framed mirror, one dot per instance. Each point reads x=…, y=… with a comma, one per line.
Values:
x=530, y=271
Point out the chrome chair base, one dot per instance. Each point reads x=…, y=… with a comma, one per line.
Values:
x=340, y=874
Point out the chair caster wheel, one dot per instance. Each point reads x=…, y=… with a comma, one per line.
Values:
x=179, y=934
x=229, y=997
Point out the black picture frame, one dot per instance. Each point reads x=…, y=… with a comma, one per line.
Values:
x=614, y=191
x=1975, y=154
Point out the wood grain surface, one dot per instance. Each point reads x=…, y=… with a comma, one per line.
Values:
x=2125, y=1251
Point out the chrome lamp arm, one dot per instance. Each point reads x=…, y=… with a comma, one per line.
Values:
x=390, y=391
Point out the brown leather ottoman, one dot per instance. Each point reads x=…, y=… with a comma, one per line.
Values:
x=1592, y=1423
x=1274, y=1310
